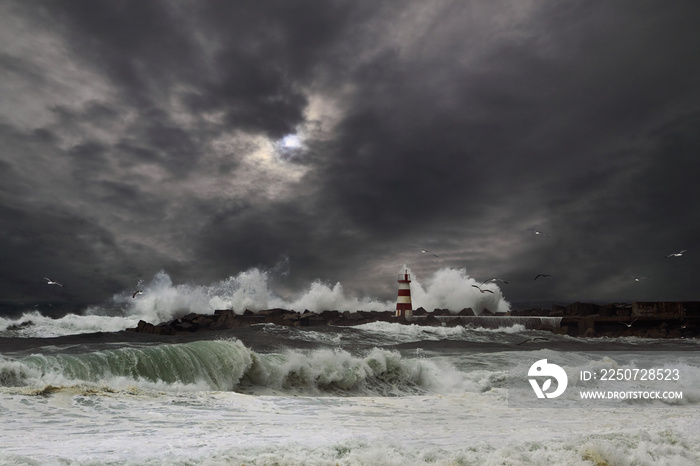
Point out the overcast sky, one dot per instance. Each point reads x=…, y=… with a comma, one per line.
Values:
x=336, y=138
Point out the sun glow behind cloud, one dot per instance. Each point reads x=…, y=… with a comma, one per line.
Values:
x=291, y=141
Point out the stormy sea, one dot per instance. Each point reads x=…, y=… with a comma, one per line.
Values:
x=77, y=389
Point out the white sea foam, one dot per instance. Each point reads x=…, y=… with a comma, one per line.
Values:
x=34, y=324
x=405, y=333
x=327, y=406
x=228, y=428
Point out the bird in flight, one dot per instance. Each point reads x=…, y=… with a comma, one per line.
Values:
x=483, y=291
x=677, y=254
x=543, y=275
x=426, y=251
x=136, y=292
x=51, y=282
x=493, y=280
x=538, y=232
x=636, y=279
x=630, y=324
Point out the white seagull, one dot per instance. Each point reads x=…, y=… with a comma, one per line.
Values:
x=425, y=251
x=543, y=275
x=483, y=291
x=677, y=254
x=136, y=292
x=636, y=279
x=538, y=232
x=51, y=282
x=630, y=324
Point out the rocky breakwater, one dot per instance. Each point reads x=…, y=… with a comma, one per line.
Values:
x=224, y=319
x=638, y=319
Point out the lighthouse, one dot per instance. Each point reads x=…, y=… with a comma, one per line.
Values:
x=403, y=302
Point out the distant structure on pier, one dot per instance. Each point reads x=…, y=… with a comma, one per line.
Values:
x=673, y=309
x=403, y=302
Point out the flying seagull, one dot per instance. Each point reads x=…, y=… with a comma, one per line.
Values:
x=543, y=275
x=677, y=254
x=538, y=232
x=425, y=251
x=483, y=291
x=636, y=279
x=136, y=292
x=492, y=280
x=630, y=324
x=51, y=282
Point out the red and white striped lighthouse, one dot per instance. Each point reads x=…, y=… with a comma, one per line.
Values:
x=403, y=302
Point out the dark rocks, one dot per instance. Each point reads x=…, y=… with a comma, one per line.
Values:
x=223, y=319
x=456, y=322
x=160, y=329
x=273, y=312
x=14, y=327
x=431, y=320
x=309, y=319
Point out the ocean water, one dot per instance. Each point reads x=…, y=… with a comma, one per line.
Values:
x=78, y=390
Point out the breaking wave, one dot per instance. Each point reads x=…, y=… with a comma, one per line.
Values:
x=228, y=365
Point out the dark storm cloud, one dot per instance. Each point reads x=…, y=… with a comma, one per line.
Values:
x=562, y=123
x=240, y=61
x=264, y=55
x=146, y=136
x=249, y=61
x=141, y=46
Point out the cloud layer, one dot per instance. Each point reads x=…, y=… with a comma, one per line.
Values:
x=148, y=136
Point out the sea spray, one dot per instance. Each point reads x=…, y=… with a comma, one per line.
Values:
x=453, y=289
x=252, y=289
x=162, y=301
